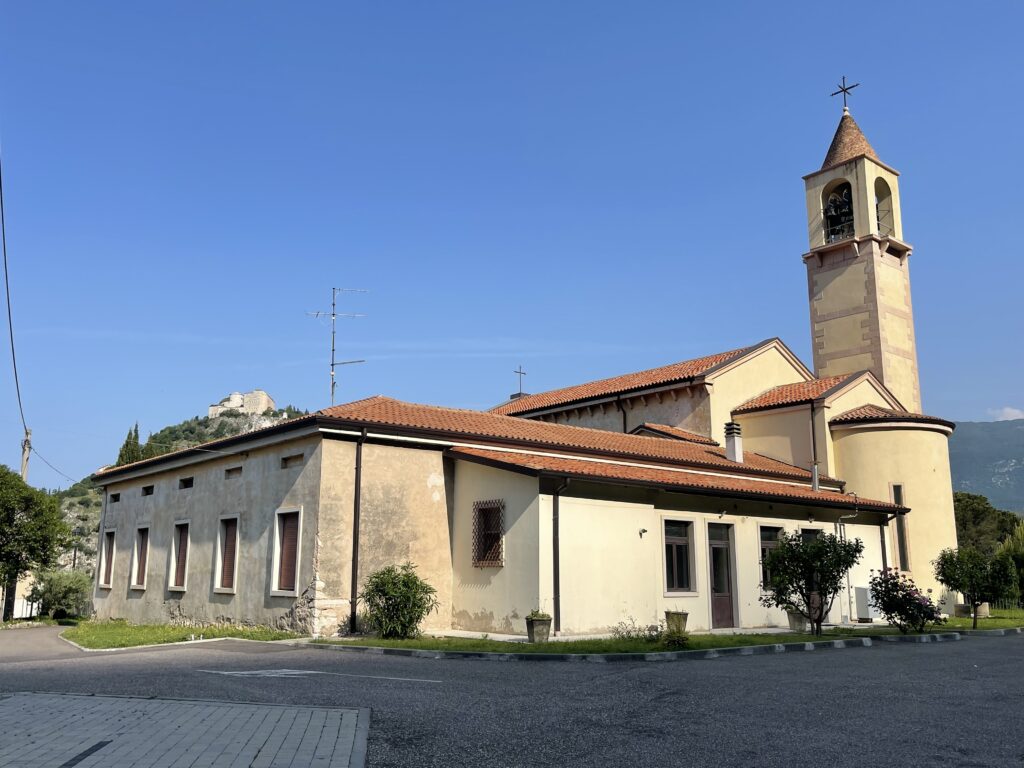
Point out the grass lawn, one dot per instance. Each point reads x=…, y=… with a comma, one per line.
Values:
x=609, y=645
x=121, y=634
x=1001, y=618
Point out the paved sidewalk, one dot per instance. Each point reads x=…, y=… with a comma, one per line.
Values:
x=34, y=644
x=64, y=730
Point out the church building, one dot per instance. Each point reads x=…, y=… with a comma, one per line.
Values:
x=599, y=502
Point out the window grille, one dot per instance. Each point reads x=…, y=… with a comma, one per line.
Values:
x=489, y=534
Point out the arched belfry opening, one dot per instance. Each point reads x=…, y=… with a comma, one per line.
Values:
x=837, y=211
x=883, y=208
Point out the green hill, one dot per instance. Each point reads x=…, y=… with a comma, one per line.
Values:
x=987, y=458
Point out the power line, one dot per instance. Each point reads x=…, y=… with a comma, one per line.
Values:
x=7, y=286
x=43, y=459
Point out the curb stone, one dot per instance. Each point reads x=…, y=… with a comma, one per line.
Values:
x=605, y=658
x=991, y=632
x=940, y=637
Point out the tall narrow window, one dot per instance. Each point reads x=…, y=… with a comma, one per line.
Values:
x=902, y=551
x=108, y=557
x=288, y=550
x=677, y=556
x=883, y=208
x=180, y=555
x=489, y=534
x=141, y=555
x=769, y=541
x=228, y=551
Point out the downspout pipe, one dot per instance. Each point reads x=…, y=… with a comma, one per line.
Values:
x=556, y=578
x=815, y=484
x=356, y=508
x=622, y=409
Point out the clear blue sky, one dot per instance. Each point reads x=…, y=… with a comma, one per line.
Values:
x=584, y=188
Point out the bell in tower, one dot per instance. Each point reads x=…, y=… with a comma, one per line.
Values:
x=858, y=269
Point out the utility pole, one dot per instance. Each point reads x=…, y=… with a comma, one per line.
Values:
x=26, y=449
x=334, y=315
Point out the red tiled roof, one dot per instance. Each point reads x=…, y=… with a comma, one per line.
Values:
x=848, y=143
x=694, y=481
x=792, y=394
x=388, y=412
x=876, y=413
x=687, y=369
x=675, y=433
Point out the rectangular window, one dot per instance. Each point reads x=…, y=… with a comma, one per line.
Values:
x=108, y=557
x=115, y=497
x=147, y=490
x=292, y=461
x=677, y=555
x=179, y=557
x=287, y=550
x=902, y=551
x=810, y=534
x=141, y=555
x=185, y=482
x=228, y=553
x=489, y=534
x=233, y=472
x=769, y=541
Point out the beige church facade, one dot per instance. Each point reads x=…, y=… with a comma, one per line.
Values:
x=598, y=503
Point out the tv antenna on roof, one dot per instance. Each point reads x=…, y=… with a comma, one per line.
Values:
x=334, y=315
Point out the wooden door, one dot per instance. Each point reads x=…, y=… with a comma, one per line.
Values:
x=720, y=562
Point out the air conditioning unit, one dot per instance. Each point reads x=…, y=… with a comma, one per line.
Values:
x=866, y=612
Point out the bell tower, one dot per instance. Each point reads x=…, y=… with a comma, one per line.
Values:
x=858, y=272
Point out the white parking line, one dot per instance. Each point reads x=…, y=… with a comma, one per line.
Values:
x=285, y=673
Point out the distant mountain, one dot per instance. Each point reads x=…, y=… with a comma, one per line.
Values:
x=987, y=458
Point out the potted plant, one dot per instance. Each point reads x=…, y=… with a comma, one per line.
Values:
x=675, y=621
x=538, y=626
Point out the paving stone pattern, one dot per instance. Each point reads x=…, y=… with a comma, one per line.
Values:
x=63, y=730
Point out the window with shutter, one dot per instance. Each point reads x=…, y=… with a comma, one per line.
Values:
x=288, y=544
x=228, y=548
x=489, y=534
x=141, y=554
x=180, y=554
x=108, y=557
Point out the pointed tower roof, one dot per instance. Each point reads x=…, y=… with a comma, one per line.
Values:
x=848, y=143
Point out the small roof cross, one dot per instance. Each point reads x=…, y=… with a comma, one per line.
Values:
x=520, y=373
x=845, y=90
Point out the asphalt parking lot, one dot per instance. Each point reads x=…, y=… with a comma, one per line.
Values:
x=955, y=703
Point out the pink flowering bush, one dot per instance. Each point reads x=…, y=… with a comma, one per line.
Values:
x=902, y=604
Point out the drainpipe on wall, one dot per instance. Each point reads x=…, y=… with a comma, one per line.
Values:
x=815, y=485
x=556, y=580
x=357, y=486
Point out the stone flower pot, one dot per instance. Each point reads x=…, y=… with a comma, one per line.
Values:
x=675, y=621
x=797, y=622
x=963, y=611
x=538, y=630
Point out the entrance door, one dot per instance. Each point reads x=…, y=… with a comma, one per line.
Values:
x=720, y=560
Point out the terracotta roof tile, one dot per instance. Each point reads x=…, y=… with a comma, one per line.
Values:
x=792, y=394
x=687, y=369
x=694, y=481
x=674, y=433
x=876, y=413
x=848, y=143
x=386, y=411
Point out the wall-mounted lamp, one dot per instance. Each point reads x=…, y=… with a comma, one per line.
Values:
x=721, y=514
x=810, y=518
x=642, y=532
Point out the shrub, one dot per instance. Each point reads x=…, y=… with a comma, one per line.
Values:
x=805, y=575
x=651, y=633
x=902, y=604
x=62, y=593
x=537, y=613
x=397, y=600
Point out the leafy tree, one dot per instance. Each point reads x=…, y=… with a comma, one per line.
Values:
x=62, y=593
x=1013, y=547
x=979, y=578
x=979, y=525
x=130, y=451
x=32, y=532
x=397, y=600
x=805, y=575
